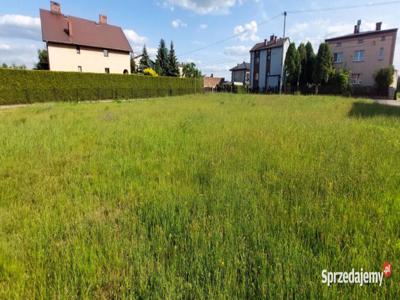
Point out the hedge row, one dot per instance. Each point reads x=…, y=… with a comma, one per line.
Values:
x=24, y=86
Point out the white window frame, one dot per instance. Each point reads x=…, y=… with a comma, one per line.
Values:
x=381, y=53
x=355, y=79
x=359, y=56
x=336, y=57
x=106, y=53
x=80, y=69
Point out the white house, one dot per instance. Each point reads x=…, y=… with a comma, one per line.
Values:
x=266, y=65
x=79, y=45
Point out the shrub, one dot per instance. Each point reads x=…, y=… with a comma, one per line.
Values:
x=23, y=86
x=150, y=72
x=383, y=80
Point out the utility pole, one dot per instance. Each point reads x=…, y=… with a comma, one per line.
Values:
x=283, y=52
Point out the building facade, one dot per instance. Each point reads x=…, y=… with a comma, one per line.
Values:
x=79, y=45
x=241, y=74
x=266, y=65
x=364, y=53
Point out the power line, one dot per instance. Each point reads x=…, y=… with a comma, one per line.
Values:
x=373, y=4
x=228, y=38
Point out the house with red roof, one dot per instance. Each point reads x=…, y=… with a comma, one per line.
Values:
x=79, y=45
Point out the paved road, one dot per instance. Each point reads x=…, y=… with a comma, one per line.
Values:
x=388, y=102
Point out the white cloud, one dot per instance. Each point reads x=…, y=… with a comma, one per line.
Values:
x=21, y=27
x=19, y=54
x=247, y=32
x=178, y=24
x=237, y=51
x=203, y=26
x=203, y=6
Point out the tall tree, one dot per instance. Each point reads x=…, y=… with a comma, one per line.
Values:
x=303, y=65
x=323, y=66
x=162, y=59
x=190, y=71
x=43, y=63
x=173, y=67
x=133, y=64
x=144, y=60
x=292, y=66
x=310, y=58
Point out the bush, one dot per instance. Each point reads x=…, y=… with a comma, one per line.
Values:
x=383, y=80
x=23, y=86
x=150, y=72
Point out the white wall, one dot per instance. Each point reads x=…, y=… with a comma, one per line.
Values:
x=66, y=58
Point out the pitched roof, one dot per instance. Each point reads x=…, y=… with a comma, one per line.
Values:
x=212, y=82
x=84, y=32
x=361, y=34
x=242, y=66
x=269, y=44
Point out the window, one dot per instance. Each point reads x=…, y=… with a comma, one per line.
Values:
x=355, y=78
x=107, y=70
x=105, y=53
x=381, y=55
x=79, y=68
x=358, y=55
x=383, y=38
x=78, y=50
x=338, y=57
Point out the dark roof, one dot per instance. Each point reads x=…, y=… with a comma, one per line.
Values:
x=84, y=32
x=269, y=44
x=240, y=67
x=361, y=34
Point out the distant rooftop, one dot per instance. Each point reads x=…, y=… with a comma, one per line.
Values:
x=274, y=42
x=242, y=66
x=357, y=32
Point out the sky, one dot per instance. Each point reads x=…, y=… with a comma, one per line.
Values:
x=214, y=34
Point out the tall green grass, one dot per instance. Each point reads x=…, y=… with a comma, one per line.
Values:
x=198, y=197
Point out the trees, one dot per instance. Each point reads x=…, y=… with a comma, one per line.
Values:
x=190, y=70
x=383, y=80
x=310, y=64
x=144, y=62
x=303, y=65
x=162, y=59
x=173, y=68
x=43, y=63
x=133, y=65
x=323, y=66
x=292, y=66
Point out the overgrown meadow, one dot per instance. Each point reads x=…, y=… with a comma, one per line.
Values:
x=198, y=197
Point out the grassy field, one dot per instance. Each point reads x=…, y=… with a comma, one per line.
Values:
x=198, y=197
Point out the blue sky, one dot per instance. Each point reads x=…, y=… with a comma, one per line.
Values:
x=193, y=24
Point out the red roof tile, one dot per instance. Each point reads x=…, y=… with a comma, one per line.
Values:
x=84, y=32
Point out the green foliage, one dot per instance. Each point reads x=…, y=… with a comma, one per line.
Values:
x=190, y=70
x=198, y=197
x=13, y=66
x=144, y=60
x=339, y=83
x=324, y=65
x=303, y=64
x=292, y=66
x=23, y=86
x=383, y=79
x=310, y=65
x=173, y=65
x=162, y=64
x=150, y=72
x=133, y=65
x=43, y=63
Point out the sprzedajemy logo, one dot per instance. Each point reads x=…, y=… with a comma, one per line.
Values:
x=357, y=277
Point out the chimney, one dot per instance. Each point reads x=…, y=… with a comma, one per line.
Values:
x=271, y=38
x=103, y=20
x=55, y=8
x=357, y=28
x=379, y=26
x=265, y=42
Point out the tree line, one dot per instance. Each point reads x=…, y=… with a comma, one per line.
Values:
x=166, y=63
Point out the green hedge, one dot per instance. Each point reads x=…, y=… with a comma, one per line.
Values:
x=24, y=86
